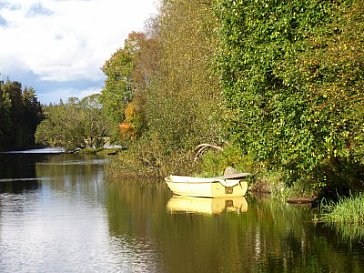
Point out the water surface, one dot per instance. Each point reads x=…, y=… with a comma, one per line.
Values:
x=58, y=213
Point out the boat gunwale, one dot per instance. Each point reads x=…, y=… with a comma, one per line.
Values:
x=183, y=182
x=224, y=182
x=198, y=180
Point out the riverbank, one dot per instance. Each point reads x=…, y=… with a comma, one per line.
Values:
x=99, y=151
x=137, y=163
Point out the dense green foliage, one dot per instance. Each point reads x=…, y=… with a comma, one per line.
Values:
x=292, y=74
x=75, y=124
x=20, y=113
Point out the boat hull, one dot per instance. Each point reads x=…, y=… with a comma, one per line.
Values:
x=206, y=187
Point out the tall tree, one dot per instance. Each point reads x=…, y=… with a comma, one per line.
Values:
x=95, y=127
x=119, y=84
x=184, y=102
x=33, y=114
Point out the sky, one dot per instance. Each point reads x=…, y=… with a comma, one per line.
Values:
x=57, y=47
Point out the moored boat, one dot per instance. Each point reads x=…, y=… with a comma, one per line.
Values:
x=225, y=186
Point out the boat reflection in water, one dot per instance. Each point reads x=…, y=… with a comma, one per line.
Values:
x=178, y=204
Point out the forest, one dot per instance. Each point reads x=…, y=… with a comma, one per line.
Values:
x=20, y=113
x=278, y=85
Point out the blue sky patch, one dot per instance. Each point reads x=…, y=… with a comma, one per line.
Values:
x=3, y=22
x=38, y=9
x=8, y=5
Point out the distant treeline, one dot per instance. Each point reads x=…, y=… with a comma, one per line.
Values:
x=73, y=124
x=20, y=113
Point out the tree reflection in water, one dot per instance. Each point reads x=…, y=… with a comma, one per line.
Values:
x=269, y=237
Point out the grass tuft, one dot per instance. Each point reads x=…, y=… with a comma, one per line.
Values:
x=347, y=211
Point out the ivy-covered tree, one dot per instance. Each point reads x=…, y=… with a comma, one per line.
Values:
x=292, y=74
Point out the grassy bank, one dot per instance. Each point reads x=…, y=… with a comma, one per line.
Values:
x=347, y=211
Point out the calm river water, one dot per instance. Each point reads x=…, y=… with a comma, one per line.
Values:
x=59, y=214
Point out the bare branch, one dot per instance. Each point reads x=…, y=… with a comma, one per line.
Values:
x=200, y=149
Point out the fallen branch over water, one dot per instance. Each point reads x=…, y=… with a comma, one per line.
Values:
x=201, y=149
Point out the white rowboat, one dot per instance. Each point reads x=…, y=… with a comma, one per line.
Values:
x=228, y=186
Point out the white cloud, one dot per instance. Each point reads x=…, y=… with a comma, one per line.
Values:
x=66, y=40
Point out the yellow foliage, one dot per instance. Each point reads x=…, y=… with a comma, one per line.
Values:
x=127, y=131
x=130, y=111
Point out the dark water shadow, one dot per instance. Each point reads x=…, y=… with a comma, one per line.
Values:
x=17, y=172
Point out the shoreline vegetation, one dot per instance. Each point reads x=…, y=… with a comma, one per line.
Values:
x=274, y=85
x=99, y=151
